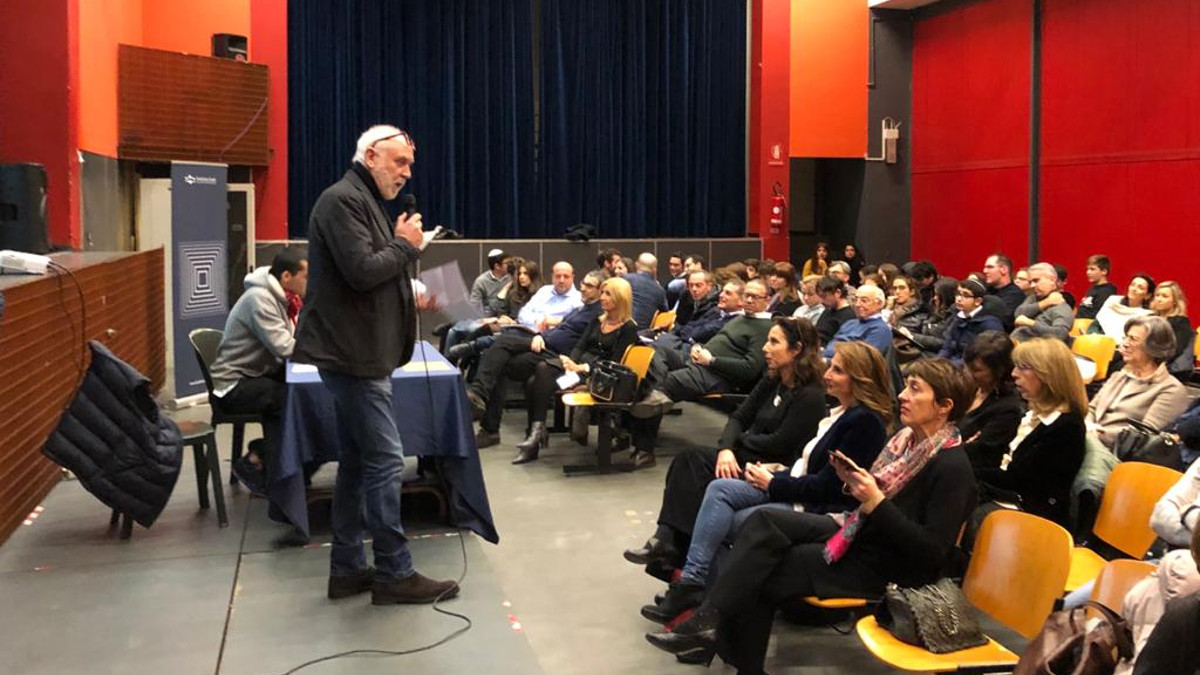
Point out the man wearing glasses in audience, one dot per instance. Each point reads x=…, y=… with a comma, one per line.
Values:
x=970, y=321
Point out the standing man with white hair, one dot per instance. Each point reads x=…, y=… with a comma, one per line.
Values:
x=358, y=325
x=869, y=325
x=1045, y=313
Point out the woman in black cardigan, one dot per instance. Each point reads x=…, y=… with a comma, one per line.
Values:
x=992, y=421
x=912, y=503
x=606, y=338
x=858, y=378
x=774, y=422
x=1049, y=446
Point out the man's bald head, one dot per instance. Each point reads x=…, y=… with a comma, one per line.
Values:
x=563, y=276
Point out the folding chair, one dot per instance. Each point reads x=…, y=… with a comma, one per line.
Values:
x=1015, y=576
x=1123, y=521
x=636, y=358
x=1080, y=326
x=663, y=320
x=1100, y=349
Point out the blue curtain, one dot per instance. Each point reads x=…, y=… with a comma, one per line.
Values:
x=640, y=109
x=643, y=116
x=456, y=74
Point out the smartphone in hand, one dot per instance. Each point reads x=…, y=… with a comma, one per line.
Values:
x=838, y=459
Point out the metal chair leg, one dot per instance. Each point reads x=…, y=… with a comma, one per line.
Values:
x=201, y=473
x=214, y=467
x=126, y=526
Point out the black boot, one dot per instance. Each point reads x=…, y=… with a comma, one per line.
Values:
x=681, y=596
x=478, y=405
x=658, y=547
x=694, y=640
x=459, y=352
x=527, y=450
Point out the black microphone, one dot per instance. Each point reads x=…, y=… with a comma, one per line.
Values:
x=410, y=203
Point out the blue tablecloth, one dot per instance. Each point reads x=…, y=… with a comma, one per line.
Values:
x=432, y=414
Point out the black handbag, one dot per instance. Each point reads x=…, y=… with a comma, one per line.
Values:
x=612, y=382
x=1141, y=442
x=936, y=616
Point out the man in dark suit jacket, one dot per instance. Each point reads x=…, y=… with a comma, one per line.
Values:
x=648, y=296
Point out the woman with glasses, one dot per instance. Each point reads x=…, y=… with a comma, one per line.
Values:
x=970, y=321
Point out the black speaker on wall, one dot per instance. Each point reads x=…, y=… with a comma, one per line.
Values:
x=23, y=208
x=228, y=46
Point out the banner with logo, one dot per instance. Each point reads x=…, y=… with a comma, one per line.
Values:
x=199, y=236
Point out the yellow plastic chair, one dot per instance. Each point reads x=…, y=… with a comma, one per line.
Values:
x=637, y=358
x=663, y=320
x=1080, y=326
x=1123, y=521
x=1115, y=580
x=1099, y=348
x=1015, y=576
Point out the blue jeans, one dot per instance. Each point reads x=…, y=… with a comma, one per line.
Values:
x=727, y=503
x=461, y=331
x=367, y=493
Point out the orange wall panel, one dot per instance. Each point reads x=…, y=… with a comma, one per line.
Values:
x=103, y=24
x=188, y=25
x=829, y=53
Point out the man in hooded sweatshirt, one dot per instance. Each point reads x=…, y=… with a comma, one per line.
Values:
x=248, y=375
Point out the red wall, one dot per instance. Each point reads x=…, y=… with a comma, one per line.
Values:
x=268, y=45
x=770, y=60
x=38, y=102
x=1121, y=137
x=970, y=135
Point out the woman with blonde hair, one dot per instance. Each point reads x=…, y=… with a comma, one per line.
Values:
x=1047, y=451
x=858, y=378
x=1171, y=304
x=604, y=339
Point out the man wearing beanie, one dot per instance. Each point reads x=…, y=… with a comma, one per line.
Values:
x=969, y=322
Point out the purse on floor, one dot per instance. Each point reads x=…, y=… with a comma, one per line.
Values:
x=936, y=616
x=1065, y=646
x=1141, y=442
x=612, y=382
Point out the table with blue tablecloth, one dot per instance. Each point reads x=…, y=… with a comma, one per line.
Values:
x=432, y=414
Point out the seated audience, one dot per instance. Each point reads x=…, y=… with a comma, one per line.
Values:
x=911, y=505
x=1045, y=455
x=516, y=355
x=772, y=425
x=527, y=279
x=604, y=339
x=648, y=296
x=1163, y=609
x=248, y=373
x=868, y=325
x=1062, y=272
x=685, y=308
x=1186, y=432
x=858, y=378
x=888, y=273
x=907, y=308
x=991, y=422
x=609, y=259
x=751, y=268
x=676, y=286
x=673, y=349
x=1021, y=280
x=1118, y=309
x=851, y=257
x=841, y=271
x=785, y=293
x=924, y=276
x=997, y=274
x=709, y=320
x=1171, y=304
x=1045, y=313
x=969, y=323
x=818, y=264
x=811, y=306
x=931, y=336
x=1100, y=289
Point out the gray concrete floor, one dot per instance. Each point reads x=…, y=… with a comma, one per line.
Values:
x=187, y=596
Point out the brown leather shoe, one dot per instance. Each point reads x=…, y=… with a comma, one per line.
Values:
x=414, y=590
x=351, y=584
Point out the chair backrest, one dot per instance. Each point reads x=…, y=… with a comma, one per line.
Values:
x=1115, y=580
x=1196, y=345
x=1132, y=490
x=664, y=320
x=637, y=358
x=1080, y=326
x=205, y=343
x=1018, y=569
x=1099, y=348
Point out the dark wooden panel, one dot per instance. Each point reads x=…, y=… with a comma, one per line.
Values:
x=42, y=352
x=175, y=106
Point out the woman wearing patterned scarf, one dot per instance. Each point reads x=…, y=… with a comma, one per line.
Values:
x=912, y=504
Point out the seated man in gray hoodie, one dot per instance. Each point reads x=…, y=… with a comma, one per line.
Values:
x=248, y=374
x=1045, y=313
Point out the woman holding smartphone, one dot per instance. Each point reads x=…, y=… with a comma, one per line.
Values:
x=858, y=378
x=911, y=504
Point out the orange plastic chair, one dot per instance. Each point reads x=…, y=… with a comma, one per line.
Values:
x=1115, y=580
x=1015, y=576
x=1123, y=521
x=1099, y=348
x=637, y=358
x=1080, y=326
x=663, y=320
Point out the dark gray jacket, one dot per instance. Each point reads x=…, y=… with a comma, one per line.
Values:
x=116, y=442
x=359, y=316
